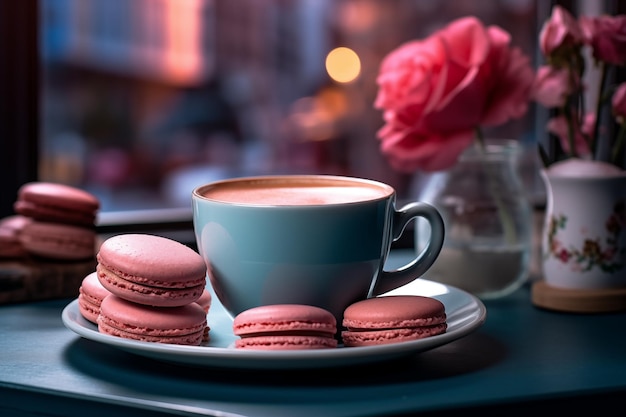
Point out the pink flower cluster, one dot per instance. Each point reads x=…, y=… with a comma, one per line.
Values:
x=559, y=85
x=436, y=92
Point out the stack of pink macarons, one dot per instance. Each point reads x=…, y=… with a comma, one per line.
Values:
x=61, y=221
x=150, y=288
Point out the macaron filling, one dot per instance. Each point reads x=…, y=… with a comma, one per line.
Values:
x=168, y=295
x=295, y=327
x=283, y=342
x=117, y=275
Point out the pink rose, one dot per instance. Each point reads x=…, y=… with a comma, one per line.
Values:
x=619, y=101
x=552, y=86
x=435, y=92
x=607, y=37
x=582, y=134
x=561, y=30
x=408, y=150
x=508, y=78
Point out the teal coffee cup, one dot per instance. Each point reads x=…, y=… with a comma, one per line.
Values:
x=308, y=239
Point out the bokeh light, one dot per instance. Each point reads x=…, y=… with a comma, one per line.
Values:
x=343, y=65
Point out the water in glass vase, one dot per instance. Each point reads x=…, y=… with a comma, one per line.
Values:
x=485, y=271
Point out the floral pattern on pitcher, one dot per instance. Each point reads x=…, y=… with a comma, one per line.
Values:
x=592, y=253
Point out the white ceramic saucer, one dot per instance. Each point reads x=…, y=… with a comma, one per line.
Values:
x=465, y=313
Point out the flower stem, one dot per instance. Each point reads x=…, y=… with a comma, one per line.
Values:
x=570, y=133
x=594, y=139
x=619, y=144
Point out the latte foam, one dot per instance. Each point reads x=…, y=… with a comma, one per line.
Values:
x=294, y=192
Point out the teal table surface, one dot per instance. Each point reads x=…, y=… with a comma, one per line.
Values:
x=522, y=360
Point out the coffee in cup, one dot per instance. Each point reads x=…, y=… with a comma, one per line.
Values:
x=306, y=239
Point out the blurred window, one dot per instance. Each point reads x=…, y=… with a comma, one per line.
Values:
x=143, y=100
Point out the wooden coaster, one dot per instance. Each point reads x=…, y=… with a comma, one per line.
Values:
x=32, y=279
x=578, y=301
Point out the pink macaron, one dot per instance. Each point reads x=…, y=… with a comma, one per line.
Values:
x=90, y=296
x=52, y=202
x=151, y=270
x=184, y=325
x=392, y=319
x=59, y=241
x=285, y=327
x=10, y=230
x=205, y=300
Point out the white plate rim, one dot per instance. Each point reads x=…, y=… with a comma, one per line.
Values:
x=466, y=313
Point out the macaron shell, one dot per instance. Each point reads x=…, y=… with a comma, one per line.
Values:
x=148, y=294
x=194, y=339
x=285, y=318
x=285, y=342
x=54, y=202
x=93, y=289
x=58, y=241
x=387, y=336
x=179, y=325
x=394, y=312
x=90, y=296
x=205, y=300
x=152, y=260
x=88, y=309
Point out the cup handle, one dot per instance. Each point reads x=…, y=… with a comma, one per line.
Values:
x=389, y=280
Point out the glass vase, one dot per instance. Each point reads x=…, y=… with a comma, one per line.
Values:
x=488, y=218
